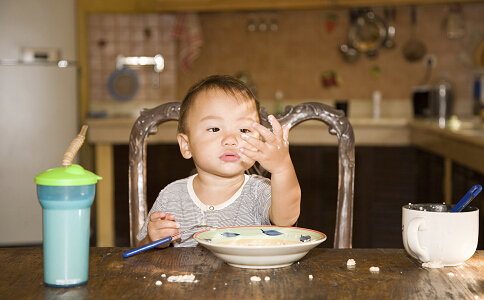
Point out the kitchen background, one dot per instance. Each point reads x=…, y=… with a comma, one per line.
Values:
x=286, y=53
x=290, y=56
x=290, y=59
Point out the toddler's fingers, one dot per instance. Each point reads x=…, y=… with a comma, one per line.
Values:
x=166, y=224
x=276, y=126
x=255, y=155
x=170, y=217
x=256, y=143
x=157, y=215
x=285, y=132
x=266, y=133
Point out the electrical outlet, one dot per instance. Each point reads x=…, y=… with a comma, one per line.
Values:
x=430, y=61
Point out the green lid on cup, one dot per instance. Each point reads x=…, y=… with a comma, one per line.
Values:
x=74, y=175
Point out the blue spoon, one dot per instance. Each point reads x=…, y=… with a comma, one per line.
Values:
x=471, y=194
x=161, y=241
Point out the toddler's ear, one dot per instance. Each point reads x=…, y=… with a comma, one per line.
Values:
x=184, y=145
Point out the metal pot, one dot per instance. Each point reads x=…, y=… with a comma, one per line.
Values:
x=367, y=33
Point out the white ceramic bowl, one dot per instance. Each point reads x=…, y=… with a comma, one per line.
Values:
x=260, y=247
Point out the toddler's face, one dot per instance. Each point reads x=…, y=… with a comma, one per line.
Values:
x=215, y=123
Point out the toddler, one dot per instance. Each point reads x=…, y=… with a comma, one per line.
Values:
x=219, y=128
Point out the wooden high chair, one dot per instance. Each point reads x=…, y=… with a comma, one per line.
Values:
x=149, y=120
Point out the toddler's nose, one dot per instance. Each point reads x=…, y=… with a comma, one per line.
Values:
x=230, y=140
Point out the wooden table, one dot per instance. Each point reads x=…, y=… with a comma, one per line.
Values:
x=113, y=277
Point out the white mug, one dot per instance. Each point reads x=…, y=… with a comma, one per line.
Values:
x=431, y=233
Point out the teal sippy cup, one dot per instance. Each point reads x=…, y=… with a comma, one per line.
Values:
x=66, y=195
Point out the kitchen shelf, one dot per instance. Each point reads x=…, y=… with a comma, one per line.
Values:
x=16, y=62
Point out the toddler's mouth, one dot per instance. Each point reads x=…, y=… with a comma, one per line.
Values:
x=230, y=156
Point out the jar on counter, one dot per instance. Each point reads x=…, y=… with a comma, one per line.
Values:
x=442, y=100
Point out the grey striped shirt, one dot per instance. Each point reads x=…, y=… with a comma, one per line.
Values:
x=249, y=206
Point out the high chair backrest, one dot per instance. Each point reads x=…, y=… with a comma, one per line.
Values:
x=149, y=120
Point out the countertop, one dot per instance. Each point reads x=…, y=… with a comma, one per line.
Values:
x=464, y=145
x=368, y=132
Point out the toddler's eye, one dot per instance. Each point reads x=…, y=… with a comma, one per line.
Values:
x=244, y=130
x=214, y=129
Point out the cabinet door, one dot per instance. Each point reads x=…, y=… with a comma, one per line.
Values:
x=317, y=173
x=385, y=180
x=430, y=177
x=225, y=5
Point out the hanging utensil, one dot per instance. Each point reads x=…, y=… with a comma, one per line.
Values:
x=414, y=49
x=471, y=194
x=349, y=53
x=454, y=22
x=390, y=14
x=367, y=33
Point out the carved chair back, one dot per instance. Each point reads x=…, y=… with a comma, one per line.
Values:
x=149, y=120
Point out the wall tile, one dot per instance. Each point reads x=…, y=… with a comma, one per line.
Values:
x=290, y=59
x=130, y=35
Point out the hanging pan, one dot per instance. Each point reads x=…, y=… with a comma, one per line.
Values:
x=123, y=84
x=368, y=33
x=414, y=50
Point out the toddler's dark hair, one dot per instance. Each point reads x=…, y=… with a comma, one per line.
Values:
x=226, y=83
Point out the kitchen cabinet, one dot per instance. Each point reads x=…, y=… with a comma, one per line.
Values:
x=385, y=180
x=137, y=6
x=112, y=192
x=390, y=172
x=463, y=179
x=430, y=183
x=218, y=5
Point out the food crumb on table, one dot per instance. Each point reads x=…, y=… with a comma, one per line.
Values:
x=158, y=282
x=351, y=262
x=182, y=278
x=255, y=278
x=163, y=275
x=374, y=269
x=311, y=277
x=267, y=278
x=432, y=264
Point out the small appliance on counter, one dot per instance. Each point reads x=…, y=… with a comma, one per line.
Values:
x=421, y=99
x=435, y=101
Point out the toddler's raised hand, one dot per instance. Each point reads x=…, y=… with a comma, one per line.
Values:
x=273, y=153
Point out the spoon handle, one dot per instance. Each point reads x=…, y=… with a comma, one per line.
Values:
x=147, y=246
x=471, y=194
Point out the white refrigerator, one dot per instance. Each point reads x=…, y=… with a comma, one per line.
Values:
x=38, y=109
